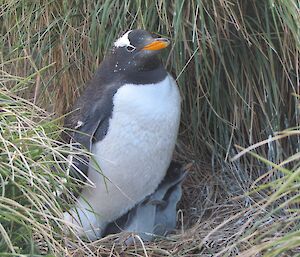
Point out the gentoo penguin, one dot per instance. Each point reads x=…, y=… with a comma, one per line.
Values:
x=128, y=118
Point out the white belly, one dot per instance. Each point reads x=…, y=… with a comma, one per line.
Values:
x=136, y=151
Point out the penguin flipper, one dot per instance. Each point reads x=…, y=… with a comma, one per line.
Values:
x=81, y=139
x=88, y=123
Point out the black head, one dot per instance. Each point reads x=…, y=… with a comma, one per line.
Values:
x=136, y=51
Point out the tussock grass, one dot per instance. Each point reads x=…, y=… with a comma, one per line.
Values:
x=32, y=171
x=236, y=63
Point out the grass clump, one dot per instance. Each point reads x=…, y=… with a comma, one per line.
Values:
x=31, y=172
x=275, y=221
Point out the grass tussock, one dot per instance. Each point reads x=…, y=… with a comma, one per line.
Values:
x=237, y=65
x=32, y=171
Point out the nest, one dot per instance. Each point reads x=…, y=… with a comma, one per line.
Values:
x=209, y=222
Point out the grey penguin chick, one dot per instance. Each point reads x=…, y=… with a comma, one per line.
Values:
x=128, y=118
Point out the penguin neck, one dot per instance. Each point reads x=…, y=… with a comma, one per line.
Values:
x=146, y=75
x=150, y=72
x=152, y=63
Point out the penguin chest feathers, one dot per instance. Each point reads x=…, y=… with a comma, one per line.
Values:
x=137, y=149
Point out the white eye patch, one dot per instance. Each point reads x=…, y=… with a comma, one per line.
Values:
x=123, y=41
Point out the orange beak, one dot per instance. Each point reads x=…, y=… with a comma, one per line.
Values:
x=157, y=44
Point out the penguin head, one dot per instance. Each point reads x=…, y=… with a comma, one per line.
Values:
x=137, y=50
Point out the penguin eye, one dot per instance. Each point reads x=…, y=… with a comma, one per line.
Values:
x=130, y=48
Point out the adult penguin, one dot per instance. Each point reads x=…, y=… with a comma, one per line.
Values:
x=128, y=118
